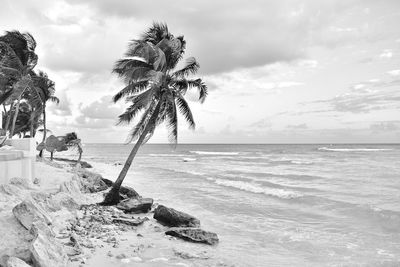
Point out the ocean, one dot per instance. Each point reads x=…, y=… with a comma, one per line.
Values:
x=276, y=205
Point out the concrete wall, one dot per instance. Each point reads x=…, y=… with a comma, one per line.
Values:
x=19, y=161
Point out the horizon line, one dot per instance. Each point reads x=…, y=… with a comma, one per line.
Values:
x=250, y=143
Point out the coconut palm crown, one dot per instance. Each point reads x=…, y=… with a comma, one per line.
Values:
x=155, y=89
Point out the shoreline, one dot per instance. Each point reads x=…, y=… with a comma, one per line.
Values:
x=89, y=234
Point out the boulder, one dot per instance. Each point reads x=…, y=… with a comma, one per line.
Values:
x=128, y=192
x=21, y=182
x=130, y=221
x=196, y=235
x=108, y=182
x=174, y=218
x=47, y=252
x=72, y=187
x=60, y=200
x=27, y=213
x=16, y=262
x=135, y=205
x=94, y=184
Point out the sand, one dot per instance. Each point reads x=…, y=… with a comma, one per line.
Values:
x=98, y=243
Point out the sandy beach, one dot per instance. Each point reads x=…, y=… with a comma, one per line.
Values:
x=83, y=233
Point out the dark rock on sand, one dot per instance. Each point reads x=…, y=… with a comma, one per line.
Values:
x=92, y=182
x=28, y=213
x=130, y=221
x=172, y=217
x=128, y=192
x=136, y=205
x=196, y=235
x=84, y=164
x=108, y=182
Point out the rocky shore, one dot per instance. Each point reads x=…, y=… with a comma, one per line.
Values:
x=56, y=221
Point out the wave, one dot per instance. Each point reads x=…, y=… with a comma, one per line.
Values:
x=353, y=149
x=188, y=159
x=214, y=153
x=256, y=188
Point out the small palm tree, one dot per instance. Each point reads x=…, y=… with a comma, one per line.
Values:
x=47, y=89
x=154, y=88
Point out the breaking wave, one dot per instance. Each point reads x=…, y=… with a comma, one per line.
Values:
x=256, y=188
x=353, y=149
x=214, y=153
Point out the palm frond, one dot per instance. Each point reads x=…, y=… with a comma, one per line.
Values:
x=184, y=84
x=138, y=129
x=130, y=89
x=156, y=33
x=191, y=67
x=185, y=111
x=172, y=121
x=54, y=99
x=139, y=102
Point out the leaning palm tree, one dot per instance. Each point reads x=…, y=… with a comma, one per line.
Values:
x=155, y=88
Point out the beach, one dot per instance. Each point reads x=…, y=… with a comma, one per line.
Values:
x=60, y=212
x=271, y=205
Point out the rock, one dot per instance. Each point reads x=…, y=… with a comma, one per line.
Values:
x=108, y=182
x=188, y=255
x=84, y=164
x=128, y=192
x=95, y=184
x=36, y=181
x=11, y=190
x=174, y=218
x=47, y=252
x=196, y=235
x=60, y=200
x=135, y=205
x=20, y=182
x=16, y=262
x=27, y=213
x=40, y=227
x=72, y=187
x=132, y=221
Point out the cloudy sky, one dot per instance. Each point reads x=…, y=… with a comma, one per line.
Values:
x=286, y=71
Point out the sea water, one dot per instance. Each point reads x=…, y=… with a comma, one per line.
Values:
x=276, y=205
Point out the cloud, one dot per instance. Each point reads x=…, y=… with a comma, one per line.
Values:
x=301, y=126
x=226, y=35
x=262, y=124
x=364, y=97
x=64, y=107
x=385, y=126
x=102, y=109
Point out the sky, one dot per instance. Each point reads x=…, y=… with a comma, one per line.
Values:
x=286, y=71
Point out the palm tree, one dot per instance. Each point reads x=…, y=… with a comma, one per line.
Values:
x=155, y=89
x=17, y=60
x=47, y=88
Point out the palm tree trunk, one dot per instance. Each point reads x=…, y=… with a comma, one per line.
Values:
x=112, y=197
x=44, y=129
x=32, y=121
x=15, y=116
x=8, y=117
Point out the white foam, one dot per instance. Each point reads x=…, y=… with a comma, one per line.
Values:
x=353, y=149
x=189, y=159
x=256, y=188
x=214, y=153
